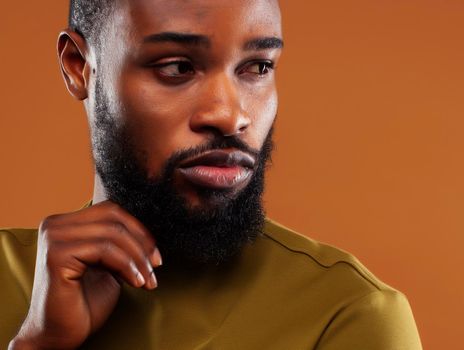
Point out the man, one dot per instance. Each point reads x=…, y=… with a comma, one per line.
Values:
x=174, y=251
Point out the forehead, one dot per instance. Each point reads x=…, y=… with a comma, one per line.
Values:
x=213, y=18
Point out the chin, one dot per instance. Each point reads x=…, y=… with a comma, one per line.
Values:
x=204, y=199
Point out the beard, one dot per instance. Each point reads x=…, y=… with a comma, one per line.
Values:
x=205, y=234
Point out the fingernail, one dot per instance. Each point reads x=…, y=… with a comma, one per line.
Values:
x=154, y=282
x=140, y=279
x=156, y=258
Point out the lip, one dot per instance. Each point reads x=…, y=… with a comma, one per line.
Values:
x=221, y=158
x=220, y=170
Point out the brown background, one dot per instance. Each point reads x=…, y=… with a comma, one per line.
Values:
x=369, y=138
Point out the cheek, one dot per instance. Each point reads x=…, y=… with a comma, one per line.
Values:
x=157, y=124
x=262, y=110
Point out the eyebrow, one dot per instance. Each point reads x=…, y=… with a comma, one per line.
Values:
x=178, y=38
x=264, y=43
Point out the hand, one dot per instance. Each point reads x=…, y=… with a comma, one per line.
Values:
x=81, y=259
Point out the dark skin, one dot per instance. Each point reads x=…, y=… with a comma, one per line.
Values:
x=172, y=92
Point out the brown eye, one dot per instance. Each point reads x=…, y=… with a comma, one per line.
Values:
x=175, y=69
x=259, y=68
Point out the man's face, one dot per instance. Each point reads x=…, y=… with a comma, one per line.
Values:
x=180, y=73
x=181, y=112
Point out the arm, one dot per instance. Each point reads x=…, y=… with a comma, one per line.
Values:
x=381, y=320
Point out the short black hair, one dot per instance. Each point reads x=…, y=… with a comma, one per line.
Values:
x=87, y=17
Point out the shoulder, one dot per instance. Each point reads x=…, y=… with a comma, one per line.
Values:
x=21, y=236
x=381, y=320
x=17, y=262
x=355, y=309
x=18, y=248
x=311, y=254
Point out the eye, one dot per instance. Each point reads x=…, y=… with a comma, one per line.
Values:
x=260, y=68
x=175, y=69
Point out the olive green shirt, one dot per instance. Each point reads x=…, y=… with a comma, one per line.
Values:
x=284, y=292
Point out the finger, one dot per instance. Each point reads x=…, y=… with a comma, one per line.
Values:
x=71, y=261
x=139, y=230
x=110, y=211
x=113, y=232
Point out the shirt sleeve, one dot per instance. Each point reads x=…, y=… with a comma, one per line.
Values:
x=381, y=320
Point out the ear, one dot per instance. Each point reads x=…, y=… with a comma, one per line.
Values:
x=72, y=49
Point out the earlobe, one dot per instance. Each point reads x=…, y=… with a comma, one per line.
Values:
x=74, y=66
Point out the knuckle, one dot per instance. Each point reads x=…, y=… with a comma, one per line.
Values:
x=48, y=227
x=130, y=264
x=112, y=205
x=114, y=210
x=115, y=215
x=117, y=227
x=47, y=222
x=106, y=247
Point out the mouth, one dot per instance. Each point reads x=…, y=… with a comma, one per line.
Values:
x=219, y=169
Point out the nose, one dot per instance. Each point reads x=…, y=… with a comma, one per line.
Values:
x=219, y=108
